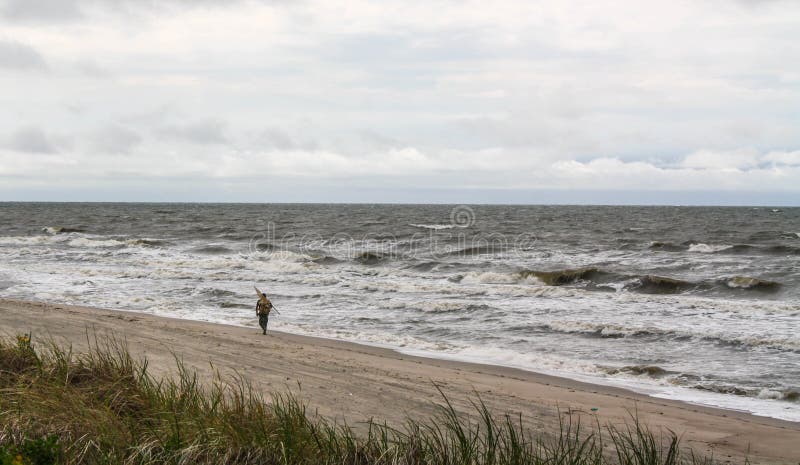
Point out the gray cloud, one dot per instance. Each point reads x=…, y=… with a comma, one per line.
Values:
x=31, y=139
x=274, y=138
x=15, y=55
x=40, y=10
x=70, y=10
x=92, y=69
x=115, y=140
x=203, y=132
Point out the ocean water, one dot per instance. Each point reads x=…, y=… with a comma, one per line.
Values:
x=696, y=304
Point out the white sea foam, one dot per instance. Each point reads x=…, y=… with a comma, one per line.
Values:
x=287, y=256
x=489, y=277
x=30, y=240
x=492, y=277
x=92, y=243
x=708, y=248
x=435, y=227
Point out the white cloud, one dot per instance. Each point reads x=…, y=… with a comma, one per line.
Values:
x=510, y=94
x=16, y=55
x=736, y=160
x=783, y=158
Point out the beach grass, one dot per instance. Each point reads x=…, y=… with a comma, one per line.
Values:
x=103, y=406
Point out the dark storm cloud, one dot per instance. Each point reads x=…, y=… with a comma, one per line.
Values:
x=31, y=139
x=15, y=55
x=204, y=132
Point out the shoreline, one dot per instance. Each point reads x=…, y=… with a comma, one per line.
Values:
x=353, y=382
x=651, y=391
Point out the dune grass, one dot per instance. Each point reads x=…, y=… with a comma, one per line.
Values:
x=103, y=406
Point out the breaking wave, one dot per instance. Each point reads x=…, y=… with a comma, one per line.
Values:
x=487, y=249
x=745, y=282
x=61, y=230
x=617, y=331
x=738, y=249
x=561, y=277
x=592, y=278
x=708, y=248
x=651, y=371
x=651, y=284
x=435, y=227
x=211, y=250
x=372, y=258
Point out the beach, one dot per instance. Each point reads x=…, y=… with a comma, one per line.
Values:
x=692, y=304
x=352, y=382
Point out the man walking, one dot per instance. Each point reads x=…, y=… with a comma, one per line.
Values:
x=263, y=307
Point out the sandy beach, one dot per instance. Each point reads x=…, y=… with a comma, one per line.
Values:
x=355, y=382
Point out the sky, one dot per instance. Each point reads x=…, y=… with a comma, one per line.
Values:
x=622, y=102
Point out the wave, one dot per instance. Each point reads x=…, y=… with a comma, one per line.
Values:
x=444, y=307
x=95, y=243
x=592, y=278
x=708, y=248
x=489, y=277
x=746, y=282
x=486, y=249
x=694, y=381
x=435, y=227
x=651, y=284
x=786, y=395
x=784, y=250
x=560, y=277
x=601, y=330
x=667, y=246
x=235, y=305
x=764, y=250
x=618, y=331
x=326, y=260
x=61, y=230
x=424, y=266
x=214, y=292
x=700, y=247
x=148, y=242
x=372, y=258
x=651, y=371
x=211, y=250
x=264, y=247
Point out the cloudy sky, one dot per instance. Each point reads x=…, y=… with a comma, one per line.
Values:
x=432, y=101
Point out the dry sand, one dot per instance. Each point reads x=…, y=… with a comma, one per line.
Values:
x=355, y=382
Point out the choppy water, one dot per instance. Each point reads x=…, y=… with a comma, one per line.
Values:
x=698, y=304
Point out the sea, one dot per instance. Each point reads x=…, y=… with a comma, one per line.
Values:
x=699, y=304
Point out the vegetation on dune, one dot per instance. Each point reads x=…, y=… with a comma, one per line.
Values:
x=103, y=407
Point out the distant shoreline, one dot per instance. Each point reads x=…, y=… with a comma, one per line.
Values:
x=445, y=204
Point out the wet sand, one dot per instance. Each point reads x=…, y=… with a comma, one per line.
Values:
x=354, y=382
